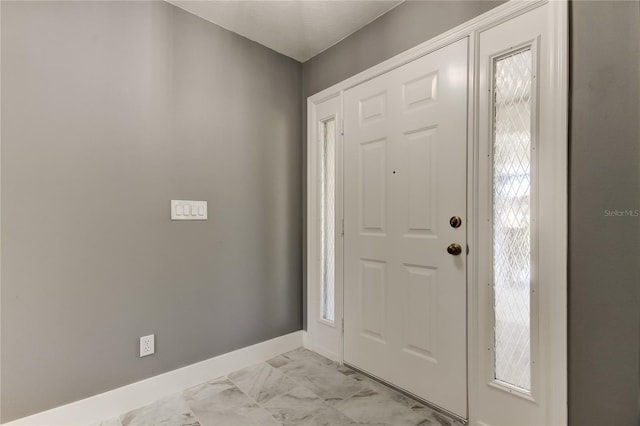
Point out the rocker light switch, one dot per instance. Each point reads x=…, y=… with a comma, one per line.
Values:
x=188, y=210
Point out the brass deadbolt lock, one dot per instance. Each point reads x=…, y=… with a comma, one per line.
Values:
x=455, y=221
x=454, y=249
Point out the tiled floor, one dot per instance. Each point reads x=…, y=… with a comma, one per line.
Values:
x=296, y=388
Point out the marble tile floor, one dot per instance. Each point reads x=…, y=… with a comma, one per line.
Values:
x=297, y=388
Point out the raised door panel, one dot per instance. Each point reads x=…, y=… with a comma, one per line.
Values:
x=373, y=300
x=421, y=312
x=420, y=155
x=373, y=166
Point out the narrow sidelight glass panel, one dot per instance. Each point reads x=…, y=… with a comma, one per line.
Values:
x=512, y=217
x=328, y=218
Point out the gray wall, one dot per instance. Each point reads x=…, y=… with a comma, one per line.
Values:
x=109, y=110
x=405, y=26
x=604, y=252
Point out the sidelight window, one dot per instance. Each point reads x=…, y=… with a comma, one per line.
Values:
x=327, y=218
x=512, y=230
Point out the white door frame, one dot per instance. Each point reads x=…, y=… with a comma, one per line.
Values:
x=322, y=337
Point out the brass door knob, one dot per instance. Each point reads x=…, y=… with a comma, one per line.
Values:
x=454, y=249
x=455, y=221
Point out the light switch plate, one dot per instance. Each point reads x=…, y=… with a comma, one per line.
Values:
x=188, y=210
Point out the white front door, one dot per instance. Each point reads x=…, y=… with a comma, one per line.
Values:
x=405, y=158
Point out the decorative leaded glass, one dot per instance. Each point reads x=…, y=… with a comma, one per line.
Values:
x=328, y=218
x=511, y=217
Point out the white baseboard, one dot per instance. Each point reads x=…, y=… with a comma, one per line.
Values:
x=118, y=401
x=327, y=353
x=306, y=341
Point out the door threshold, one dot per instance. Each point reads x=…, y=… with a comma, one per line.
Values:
x=410, y=395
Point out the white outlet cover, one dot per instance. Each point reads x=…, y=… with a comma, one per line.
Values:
x=147, y=345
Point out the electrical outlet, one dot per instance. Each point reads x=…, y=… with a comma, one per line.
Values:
x=147, y=345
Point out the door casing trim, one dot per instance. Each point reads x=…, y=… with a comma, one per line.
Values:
x=557, y=89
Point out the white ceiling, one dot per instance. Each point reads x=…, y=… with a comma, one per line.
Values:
x=299, y=29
